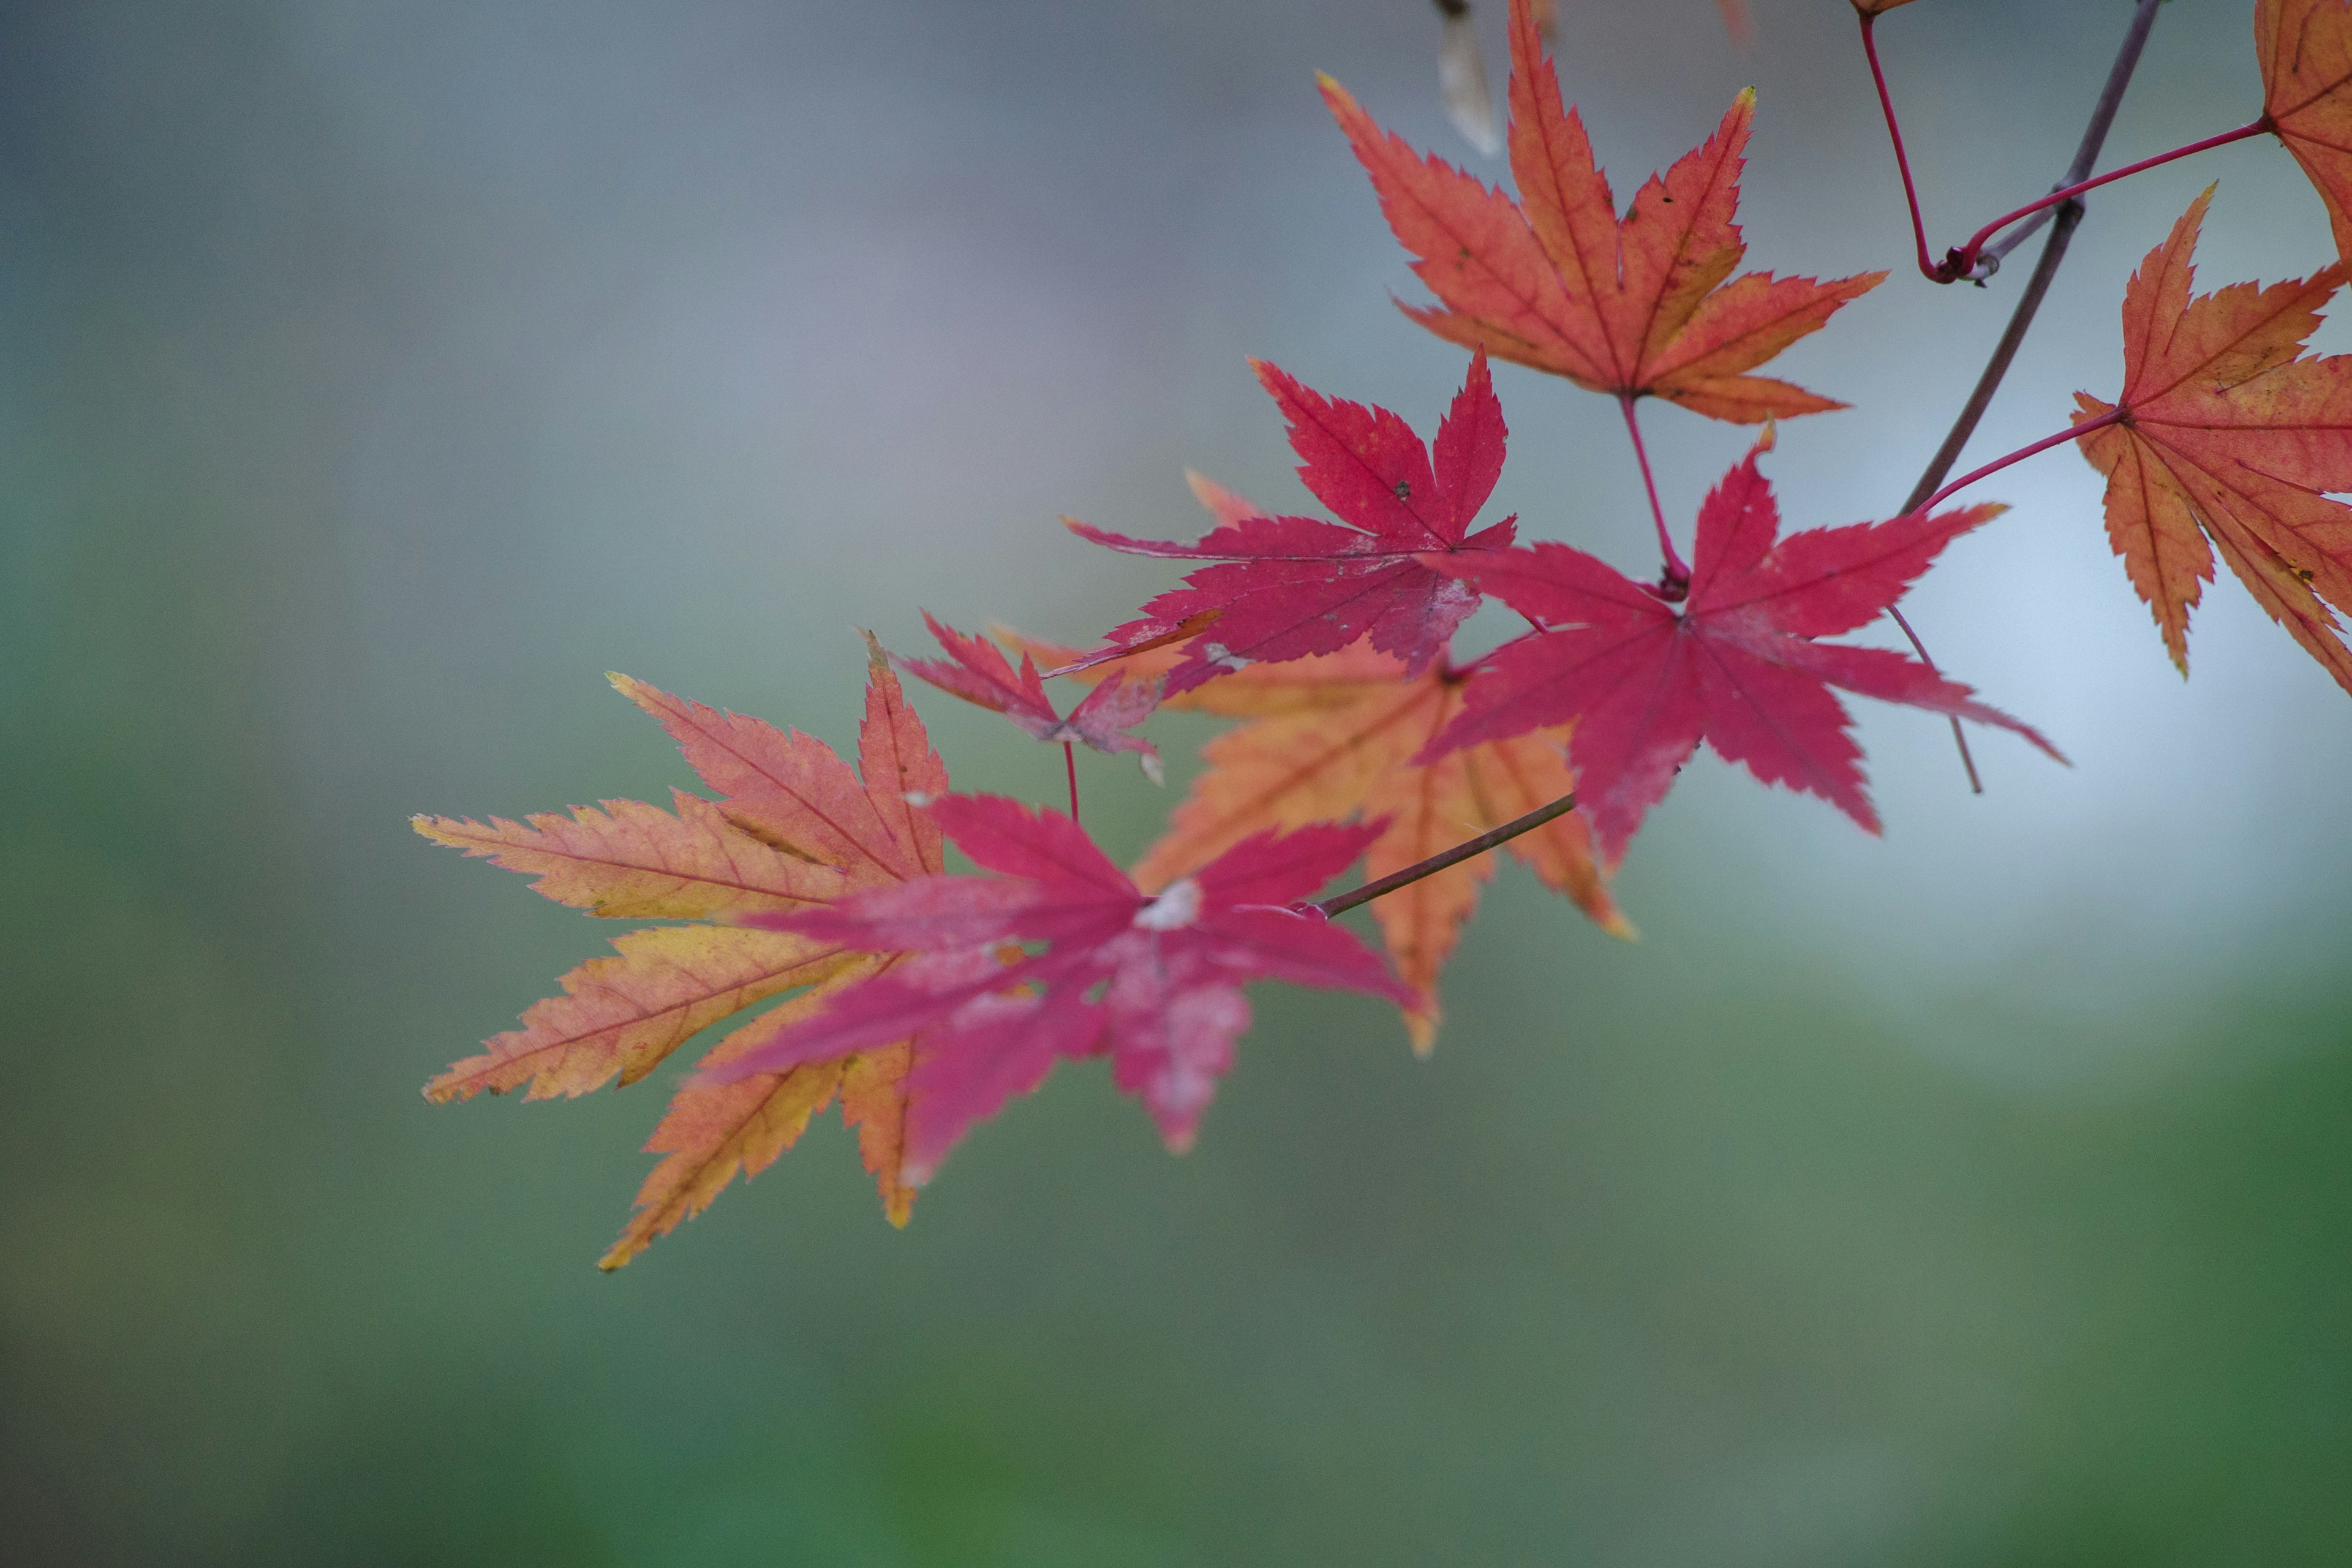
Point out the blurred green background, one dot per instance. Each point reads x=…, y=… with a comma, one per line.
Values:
x=373, y=377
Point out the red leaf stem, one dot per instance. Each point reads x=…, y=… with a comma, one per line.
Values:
x=1902, y=160
x=2112, y=417
x=1676, y=581
x=1961, y=261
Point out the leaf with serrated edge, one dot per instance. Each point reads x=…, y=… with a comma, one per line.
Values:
x=1333, y=737
x=798, y=831
x=2232, y=434
x=2304, y=48
x=1556, y=281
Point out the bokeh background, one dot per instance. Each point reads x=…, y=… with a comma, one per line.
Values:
x=373, y=377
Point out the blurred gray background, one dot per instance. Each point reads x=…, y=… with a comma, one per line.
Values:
x=373, y=377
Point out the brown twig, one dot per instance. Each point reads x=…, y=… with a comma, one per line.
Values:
x=1340, y=903
x=2068, y=214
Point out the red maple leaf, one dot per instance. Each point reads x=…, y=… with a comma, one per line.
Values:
x=981, y=674
x=1735, y=664
x=1152, y=981
x=1290, y=586
x=1556, y=281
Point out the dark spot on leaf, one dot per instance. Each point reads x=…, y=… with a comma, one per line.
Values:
x=1404, y=492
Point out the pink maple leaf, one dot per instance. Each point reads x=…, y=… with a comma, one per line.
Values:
x=981, y=674
x=1736, y=664
x=1152, y=981
x=1290, y=586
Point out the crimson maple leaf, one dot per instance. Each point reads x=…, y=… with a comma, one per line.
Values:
x=1290, y=586
x=1555, y=281
x=1152, y=980
x=981, y=674
x=1735, y=664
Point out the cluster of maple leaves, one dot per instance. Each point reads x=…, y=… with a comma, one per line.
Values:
x=923, y=1000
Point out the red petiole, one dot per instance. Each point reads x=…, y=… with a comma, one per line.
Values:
x=1676, y=581
x=1070, y=762
x=1902, y=158
x=2072, y=433
x=1961, y=261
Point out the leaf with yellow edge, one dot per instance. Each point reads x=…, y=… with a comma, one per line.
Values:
x=1332, y=737
x=1639, y=306
x=624, y=1015
x=797, y=829
x=709, y=1131
x=2228, y=433
x=630, y=861
x=2305, y=48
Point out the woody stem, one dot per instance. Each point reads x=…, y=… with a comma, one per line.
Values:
x=2069, y=216
x=1962, y=261
x=1070, y=763
x=1895, y=134
x=1677, y=574
x=1340, y=903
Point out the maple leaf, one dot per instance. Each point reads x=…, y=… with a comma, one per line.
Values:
x=1289, y=586
x=2305, y=50
x=1152, y=980
x=797, y=832
x=1735, y=664
x=1635, y=308
x=2228, y=435
x=981, y=674
x=1336, y=736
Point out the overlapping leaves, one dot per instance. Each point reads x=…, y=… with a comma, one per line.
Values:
x=796, y=830
x=1285, y=587
x=1737, y=664
x=1150, y=980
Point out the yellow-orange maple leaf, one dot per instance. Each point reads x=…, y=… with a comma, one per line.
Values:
x=1332, y=737
x=2228, y=435
x=797, y=828
x=2305, y=48
x=1643, y=308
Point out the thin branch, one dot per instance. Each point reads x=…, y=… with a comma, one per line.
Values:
x=1340, y=903
x=2069, y=215
x=1070, y=762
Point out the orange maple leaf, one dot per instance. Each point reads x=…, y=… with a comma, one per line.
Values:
x=796, y=829
x=1555, y=281
x=2305, y=50
x=2227, y=434
x=1332, y=737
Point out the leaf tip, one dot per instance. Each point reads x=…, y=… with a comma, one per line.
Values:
x=1420, y=1028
